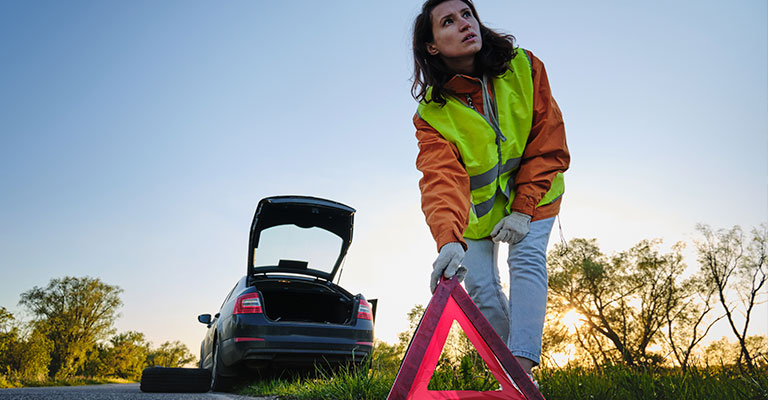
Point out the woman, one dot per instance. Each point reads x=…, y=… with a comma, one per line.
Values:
x=492, y=152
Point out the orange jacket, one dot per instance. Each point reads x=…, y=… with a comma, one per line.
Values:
x=444, y=186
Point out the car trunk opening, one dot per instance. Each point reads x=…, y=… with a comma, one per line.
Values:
x=286, y=301
x=300, y=235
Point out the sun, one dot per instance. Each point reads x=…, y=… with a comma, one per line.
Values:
x=572, y=320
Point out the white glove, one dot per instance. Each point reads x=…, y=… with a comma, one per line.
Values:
x=512, y=228
x=448, y=264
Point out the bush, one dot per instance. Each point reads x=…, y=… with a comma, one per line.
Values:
x=6, y=382
x=28, y=359
x=171, y=355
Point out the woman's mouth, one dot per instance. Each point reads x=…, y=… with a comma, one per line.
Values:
x=469, y=37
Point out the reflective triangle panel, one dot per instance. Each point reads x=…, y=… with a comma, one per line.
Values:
x=452, y=303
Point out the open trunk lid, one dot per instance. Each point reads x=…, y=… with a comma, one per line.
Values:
x=299, y=235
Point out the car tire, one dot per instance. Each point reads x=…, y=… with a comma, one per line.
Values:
x=175, y=380
x=219, y=382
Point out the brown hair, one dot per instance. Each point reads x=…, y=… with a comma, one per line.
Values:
x=429, y=70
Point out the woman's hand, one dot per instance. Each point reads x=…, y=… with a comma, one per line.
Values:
x=512, y=228
x=448, y=264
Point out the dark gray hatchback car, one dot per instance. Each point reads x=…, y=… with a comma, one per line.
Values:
x=286, y=313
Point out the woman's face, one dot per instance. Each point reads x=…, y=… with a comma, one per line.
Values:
x=456, y=34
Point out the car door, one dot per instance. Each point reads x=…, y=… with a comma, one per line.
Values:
x=207, y=350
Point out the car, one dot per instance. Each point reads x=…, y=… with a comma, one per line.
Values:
x=287, y=313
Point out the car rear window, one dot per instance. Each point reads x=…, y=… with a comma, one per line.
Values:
x=318, y=247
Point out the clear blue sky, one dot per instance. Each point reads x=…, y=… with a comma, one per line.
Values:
x=136, y=137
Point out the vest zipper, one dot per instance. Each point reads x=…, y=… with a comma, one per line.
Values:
x=489, y=104
x=493, y=121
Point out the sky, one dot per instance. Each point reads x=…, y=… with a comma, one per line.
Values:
x=137, y=137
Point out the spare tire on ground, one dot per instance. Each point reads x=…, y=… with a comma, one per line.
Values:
x=176, y=380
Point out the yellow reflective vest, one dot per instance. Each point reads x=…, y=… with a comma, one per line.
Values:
x=491, y=143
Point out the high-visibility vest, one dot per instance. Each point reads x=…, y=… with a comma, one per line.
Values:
x=491, y=144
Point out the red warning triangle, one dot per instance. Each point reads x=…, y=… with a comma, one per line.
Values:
x=452, y=303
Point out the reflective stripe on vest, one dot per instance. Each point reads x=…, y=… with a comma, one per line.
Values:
x=491, y=144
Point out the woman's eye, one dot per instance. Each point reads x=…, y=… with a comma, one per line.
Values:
x=467, y=14
x=447, y=21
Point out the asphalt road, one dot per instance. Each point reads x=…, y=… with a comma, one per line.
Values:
x=129, y=391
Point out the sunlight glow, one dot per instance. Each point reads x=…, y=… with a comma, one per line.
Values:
x=572, y=320
x=562, y=359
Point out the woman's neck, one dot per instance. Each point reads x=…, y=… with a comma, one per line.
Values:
x=465, y=66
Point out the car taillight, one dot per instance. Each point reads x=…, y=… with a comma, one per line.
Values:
x=249, y=303
x=364, y=310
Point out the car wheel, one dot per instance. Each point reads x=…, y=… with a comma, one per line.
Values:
x=219, y=383
x=175, y=380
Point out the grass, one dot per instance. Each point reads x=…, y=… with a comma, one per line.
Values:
x=618, y=382
x=12, y=382
x=608, y=383
x=350, y=383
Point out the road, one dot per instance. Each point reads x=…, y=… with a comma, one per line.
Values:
x=129, y=391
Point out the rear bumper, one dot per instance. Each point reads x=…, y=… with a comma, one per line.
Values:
x=287, y=359
x=293, y=351
x=254, y=342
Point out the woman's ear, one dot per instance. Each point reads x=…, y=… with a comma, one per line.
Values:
x=431, y=49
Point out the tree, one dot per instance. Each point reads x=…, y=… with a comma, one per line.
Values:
x=171, y=354
x=732, y=263
x=555, y=339
x=758, y=348
x=6, y=319
x=126, y=357
x=721, y=352
x=28, y=357
x=386, y=357
x=621, y=298
x=414, y=318
x=24, y=350
x=75, y=313
x=724, y=352
x=94, y=365
x=688, y=310
x=8, y=331
x=8, y=336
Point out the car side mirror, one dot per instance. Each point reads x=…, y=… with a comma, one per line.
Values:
x=204, y=318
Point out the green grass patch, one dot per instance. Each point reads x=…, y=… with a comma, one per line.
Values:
x=618, y=382
x=607, y=383
x=350, y=383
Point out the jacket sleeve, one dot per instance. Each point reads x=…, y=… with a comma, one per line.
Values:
x=444, y=185
x=546, y=152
